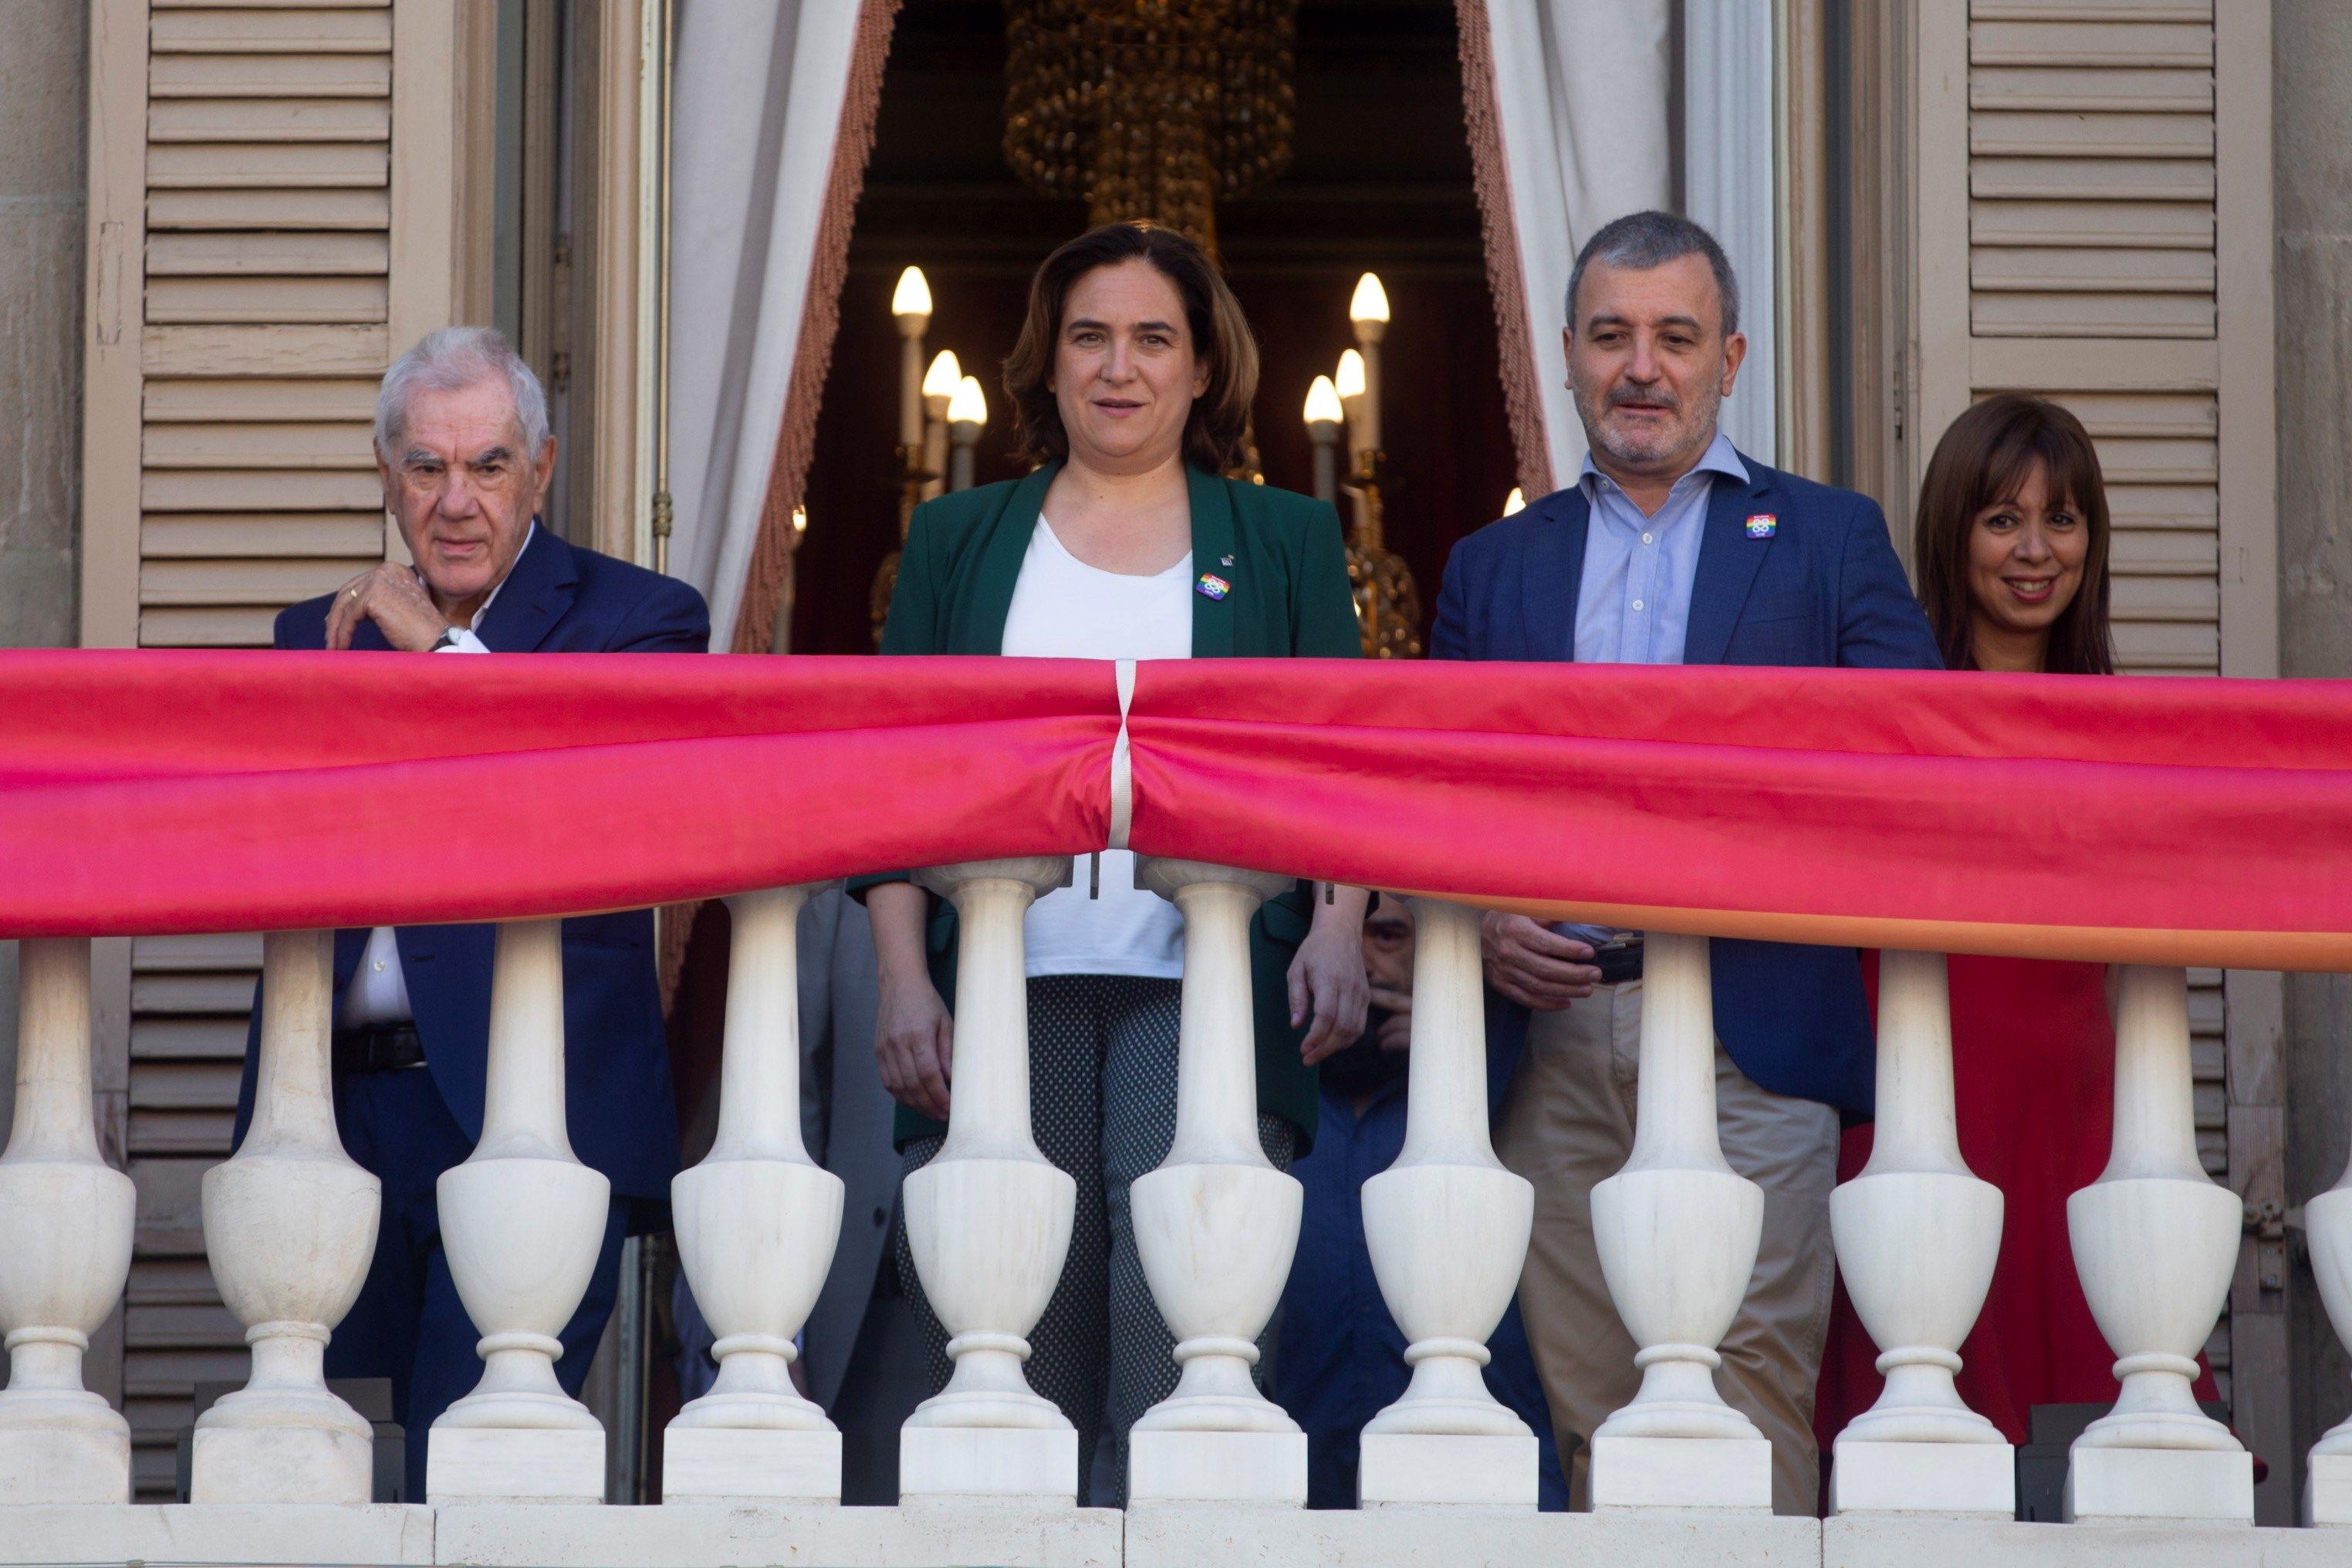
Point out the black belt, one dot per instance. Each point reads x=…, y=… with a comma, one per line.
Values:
x=378, y=1048
x=1618, y=961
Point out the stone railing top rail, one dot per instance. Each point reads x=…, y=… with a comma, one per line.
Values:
x=2166, y=821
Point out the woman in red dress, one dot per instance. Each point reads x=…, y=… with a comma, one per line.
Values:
x=2012, y=552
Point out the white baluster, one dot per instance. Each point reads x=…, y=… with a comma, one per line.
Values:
x=1215, y=1224
x=2156, y=1241
x=66, y=1219
x=290, y=1228
x=757, y=1223
x=988, y=1219
x=1677, y=1231
x=1918, y=1237
x=1448, y=1228
x=521, y=1221
x=2327, y=1222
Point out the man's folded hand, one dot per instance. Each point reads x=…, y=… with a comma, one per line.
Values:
x=392, y=597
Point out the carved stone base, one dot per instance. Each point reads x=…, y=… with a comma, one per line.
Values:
x=2327, y=1489
x=281, y=1465
x=1037, y=1464
x=738, y=1465
x=1681, y=1472
x=1011, y=1533
x=514, y=1464
x=382, y=1534
x=2160, y=1483
x=1217, y=1466
x=1204, y=1535
x=1975, y=1479
x=1422, y=1467
x=64, y=1464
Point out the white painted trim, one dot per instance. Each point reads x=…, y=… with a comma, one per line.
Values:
x=1730, y=185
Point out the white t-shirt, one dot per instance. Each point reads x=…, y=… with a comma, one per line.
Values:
x=1063, y=608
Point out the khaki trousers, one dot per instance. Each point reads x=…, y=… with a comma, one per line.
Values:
x=1567, y=1125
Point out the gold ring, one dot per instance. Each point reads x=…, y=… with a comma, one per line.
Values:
x=355, y=593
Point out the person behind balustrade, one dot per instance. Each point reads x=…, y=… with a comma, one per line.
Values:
x=1131, y=382
x=1671, y=547
x=2011, y=542
x=465, y=456
x=1341, y=1359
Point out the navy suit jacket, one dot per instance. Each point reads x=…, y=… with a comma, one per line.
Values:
x=559, y=598
x=1823, y=588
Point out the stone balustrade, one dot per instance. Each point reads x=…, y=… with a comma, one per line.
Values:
x=989, y=1470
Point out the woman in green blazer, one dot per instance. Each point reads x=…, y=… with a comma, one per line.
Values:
x=1131, y=382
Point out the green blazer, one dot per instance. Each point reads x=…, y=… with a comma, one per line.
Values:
x=1289, y=598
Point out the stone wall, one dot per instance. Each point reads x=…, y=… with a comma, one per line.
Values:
x=2312, y=151
x=44, y=95
x=44, y=128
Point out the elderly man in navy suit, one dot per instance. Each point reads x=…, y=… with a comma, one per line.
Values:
x=1672, y=548
x=465, y=454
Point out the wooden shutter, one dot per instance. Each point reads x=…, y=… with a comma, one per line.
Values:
x=2069, y=222
x=2092, y=222
x=273, y=202
x=268, y=303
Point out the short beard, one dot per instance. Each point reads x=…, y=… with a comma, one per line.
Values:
x=1697, y=412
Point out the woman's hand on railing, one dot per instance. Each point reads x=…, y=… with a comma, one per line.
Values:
x=914, y=1040
x=1533, y=964
x=1327, y=978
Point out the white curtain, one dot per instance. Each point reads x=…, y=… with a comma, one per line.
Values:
x=1581, y=100
x=758, y=87
x=1582, y=95
x=1728, y=184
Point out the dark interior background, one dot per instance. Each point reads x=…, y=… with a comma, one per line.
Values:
x=1381, y=182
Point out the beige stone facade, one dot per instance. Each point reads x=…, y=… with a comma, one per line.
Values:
x=43, y=79
x=217, y=222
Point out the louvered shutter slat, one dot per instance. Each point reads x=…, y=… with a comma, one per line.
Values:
x=260, y=296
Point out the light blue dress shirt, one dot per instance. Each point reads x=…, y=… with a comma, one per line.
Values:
x=1633, y=604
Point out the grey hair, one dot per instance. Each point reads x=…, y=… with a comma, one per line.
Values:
x=451, y=360
x=1643, y=240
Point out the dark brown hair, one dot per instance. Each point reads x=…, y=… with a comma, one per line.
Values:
x=1986, y=457
x=1215, y=435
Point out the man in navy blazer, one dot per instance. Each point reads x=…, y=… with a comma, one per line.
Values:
x=465, y=455
x=1672, y=548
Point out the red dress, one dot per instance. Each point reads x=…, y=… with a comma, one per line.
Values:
x=2033, y=1073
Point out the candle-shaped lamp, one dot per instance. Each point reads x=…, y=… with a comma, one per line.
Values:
x=910, y=303
x=1370, y=310
x=1348, y=381
x=939, y=384
x=1323, y=428
x=967, y=411
x=1515, y=502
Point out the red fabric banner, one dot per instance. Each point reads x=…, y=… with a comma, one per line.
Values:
x=156, y=793
x=2167, y=821
x=2159, y=820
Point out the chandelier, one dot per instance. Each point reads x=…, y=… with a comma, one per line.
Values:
x=1154, y=109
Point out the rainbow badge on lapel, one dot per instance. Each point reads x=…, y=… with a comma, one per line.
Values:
x=1763, y=525
x=1212, y=586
